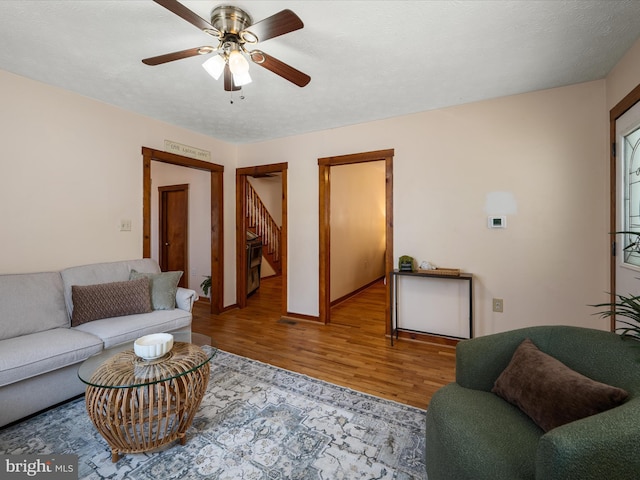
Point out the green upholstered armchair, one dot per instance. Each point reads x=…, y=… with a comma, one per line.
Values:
x=472, y=433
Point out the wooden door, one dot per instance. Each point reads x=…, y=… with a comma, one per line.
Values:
x=173, y=229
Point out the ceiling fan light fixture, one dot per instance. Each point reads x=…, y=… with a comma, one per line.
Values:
x=237, y=63
x=214, y=66
x=240, y=79
x=234, y=28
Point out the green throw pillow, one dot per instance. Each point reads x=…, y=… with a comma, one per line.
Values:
x=163, y=288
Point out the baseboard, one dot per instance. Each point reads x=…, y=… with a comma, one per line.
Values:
x=427, y=338
x=298, y=316
x=207, y=301
x=355, y=292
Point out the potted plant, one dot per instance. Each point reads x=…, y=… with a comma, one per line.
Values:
x=206, y=285
x=626, y=306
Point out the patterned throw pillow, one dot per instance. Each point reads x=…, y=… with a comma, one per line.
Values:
x=163, y=288
x=106, y=300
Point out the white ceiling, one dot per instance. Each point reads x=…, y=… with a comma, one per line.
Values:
x=367, y=60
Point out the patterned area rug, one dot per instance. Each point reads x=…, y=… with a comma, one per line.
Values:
x=256, y=421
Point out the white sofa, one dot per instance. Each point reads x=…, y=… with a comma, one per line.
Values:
x=40, y=351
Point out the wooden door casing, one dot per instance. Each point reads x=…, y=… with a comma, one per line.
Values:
x=241, y=229
x=324, y=169
x=216, y=173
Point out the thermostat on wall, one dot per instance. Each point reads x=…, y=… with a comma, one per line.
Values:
x=497, y=222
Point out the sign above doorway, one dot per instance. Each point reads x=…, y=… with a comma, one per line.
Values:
x=187, y=151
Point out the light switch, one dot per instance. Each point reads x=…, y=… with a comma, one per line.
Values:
x=125, y=225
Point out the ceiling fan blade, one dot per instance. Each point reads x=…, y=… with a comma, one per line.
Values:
x=280, y=68
x=229, y=86
x=170, y=57
x=183, y=12
x=278, y=24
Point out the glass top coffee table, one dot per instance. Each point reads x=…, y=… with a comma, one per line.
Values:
x=139, y=405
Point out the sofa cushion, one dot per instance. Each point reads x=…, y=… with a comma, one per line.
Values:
x=30, y=303
x=105, y=300
x=551, y=393
x=117, y=330
x=164, y=287
x=31, y=355
x=103, y=273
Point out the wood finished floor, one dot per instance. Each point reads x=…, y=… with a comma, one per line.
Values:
x=351, y=351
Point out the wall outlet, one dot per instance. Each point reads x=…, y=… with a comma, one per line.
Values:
x=498, y=305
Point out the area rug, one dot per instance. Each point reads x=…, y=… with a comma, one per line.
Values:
x=256, y=422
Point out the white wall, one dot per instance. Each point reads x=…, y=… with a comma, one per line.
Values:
x=71, y=169
x=624, y=77
x=199, y=226
x=357, y=219
x=546, y=150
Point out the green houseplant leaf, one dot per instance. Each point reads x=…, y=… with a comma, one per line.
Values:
x=206, y=285
x=626, y=306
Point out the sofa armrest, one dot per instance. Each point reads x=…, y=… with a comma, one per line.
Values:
x=185, y=298
x=600, y=446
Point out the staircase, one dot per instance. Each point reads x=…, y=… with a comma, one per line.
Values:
x=260, y=222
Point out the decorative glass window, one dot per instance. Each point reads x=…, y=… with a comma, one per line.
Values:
x=631, y=152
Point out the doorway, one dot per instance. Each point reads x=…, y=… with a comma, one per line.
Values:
x=623, y=118
x=216, y=202
x=242, y=187
x=325, y=165
x=173, y=231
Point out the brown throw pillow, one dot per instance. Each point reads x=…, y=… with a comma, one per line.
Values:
x=105, y=300
x=551, y=393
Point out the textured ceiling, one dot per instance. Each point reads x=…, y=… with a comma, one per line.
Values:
x=367, y=60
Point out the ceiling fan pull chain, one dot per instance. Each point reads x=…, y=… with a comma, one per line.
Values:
x=231, y=95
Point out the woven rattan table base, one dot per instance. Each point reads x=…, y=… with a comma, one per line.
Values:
x=142, y=418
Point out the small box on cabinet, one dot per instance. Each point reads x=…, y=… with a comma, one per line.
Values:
x=406, y=263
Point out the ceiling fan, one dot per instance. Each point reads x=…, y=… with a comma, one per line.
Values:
x=234, y=29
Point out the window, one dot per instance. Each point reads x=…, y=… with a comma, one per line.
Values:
x=631, y=158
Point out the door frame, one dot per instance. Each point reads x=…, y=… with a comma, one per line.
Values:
x=616, y=112
x=217, y=246
x=162, y=226
x=241, y=228
x=324, y=169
